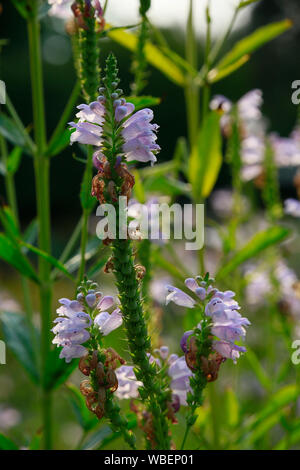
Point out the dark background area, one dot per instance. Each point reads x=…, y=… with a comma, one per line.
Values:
x=272, y=69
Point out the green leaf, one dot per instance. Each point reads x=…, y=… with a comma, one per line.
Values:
x=85, y=418
x=51, y=260
x=162, y=262
x=6, y=443
x=167, y=185
x=8, y=221
x=141, y=102
x=270, y=415
x=20, y=5
x=139, y=191
x=92, y=248
x=261, y=241
x=153, y=55
x=87, y=201
x=105, y=435
x=252, y=42
x=206, y=158
x=31, y=232
x=14, y=160
x=97, y=267
x=246, y=3
x=215, y=75
x=11, y=132
x=158, y=169
x=36, y=441
x=232, y=408
x=57, y=370
x=59, y=143
x=11, y=253
x=19, y=340
x=258, y=370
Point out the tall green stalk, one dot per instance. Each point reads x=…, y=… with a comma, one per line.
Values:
x=41, y=168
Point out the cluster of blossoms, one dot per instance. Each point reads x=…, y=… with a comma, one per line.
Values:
x=136, y=131
x=226, y=323
x=65, y=9
x=177, y=371
x=261, y=282
x=79, y=319
x=253, y=135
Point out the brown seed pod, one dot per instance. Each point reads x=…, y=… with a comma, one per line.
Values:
x=140, y=271
x=112, y=358
x=109, y=267
x=98, y=186
x=101, y=395
x=94, y=360
x=112, y=381
x=100, y=373
x=84, y=365
x=99, y=411
x=211, y=365
x=90, y=400
x=86, y=387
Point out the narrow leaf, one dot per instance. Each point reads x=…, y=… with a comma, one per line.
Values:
x=53, y=261
x=261, y=241
x=12, y=254
x=153, y=55
x=6, y=443
x=19, y=340
x=255, y=40
x=206, y=158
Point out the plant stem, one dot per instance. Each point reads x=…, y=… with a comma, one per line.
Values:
x=12, y=201
x=41, y=167
x=66, y=113
x=191, y=88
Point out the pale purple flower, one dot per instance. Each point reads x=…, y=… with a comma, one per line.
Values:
x=292, y=207
x=108, y=322
x=286, y=150
x=179, y=297
x=227, y=323
x=137, y=131
x=180, y=379
x=71, y=329
x=128, y=385
x=228, y=349
x=60, y=8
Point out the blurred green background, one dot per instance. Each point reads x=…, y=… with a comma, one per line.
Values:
x=272, y=69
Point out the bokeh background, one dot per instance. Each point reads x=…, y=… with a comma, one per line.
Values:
x=271, y=69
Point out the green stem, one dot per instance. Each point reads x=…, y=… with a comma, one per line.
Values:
x=83, y=243
x=11, y=109
x=191, y=88
x=41, y=167
x=214, y=415
x=66, y=113
x=12, y=201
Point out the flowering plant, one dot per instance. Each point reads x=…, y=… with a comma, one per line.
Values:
x=147, y=348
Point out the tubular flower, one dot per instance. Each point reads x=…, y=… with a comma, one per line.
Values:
x=227, y=325
x=71, y=329
x=137, y=133
x=81, y=319
x=177, y=371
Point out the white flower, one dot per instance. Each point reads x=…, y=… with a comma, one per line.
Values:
x=108, y=322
